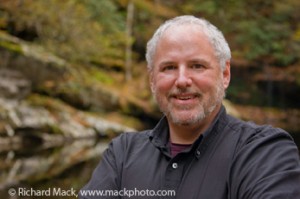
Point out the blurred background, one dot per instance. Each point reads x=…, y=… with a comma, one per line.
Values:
x=73, y=76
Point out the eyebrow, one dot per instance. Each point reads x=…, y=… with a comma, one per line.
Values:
x=166, y=63
x=196, y=60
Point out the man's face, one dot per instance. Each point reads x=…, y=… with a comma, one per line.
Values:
x=186, y=79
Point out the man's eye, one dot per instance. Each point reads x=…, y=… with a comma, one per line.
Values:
x=170, y=67
x=197, y=66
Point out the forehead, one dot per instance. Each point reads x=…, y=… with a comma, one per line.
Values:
x=182, y=40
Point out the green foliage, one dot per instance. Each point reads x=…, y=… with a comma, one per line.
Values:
x=257, y=29
x=105, y=13
x=70, y=28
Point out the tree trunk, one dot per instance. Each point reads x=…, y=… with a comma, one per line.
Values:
x=129, y=27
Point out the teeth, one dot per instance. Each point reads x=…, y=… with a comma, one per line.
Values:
x=185, y=98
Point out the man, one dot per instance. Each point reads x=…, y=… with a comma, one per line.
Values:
x=196, y=150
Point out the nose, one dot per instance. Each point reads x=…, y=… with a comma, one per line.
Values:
x=183, y=79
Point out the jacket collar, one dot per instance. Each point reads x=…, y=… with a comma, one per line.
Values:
x=159, y=135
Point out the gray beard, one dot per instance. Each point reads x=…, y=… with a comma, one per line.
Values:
x=192, y=120
x=204, y=109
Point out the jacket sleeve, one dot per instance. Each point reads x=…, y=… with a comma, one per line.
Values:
x=266, y=166
x=105, y=179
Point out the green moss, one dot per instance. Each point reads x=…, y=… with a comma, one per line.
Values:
x=51, y=104
x=11, y=46
x=102, y=77
x=55, y=130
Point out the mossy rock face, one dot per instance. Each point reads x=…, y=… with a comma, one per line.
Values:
x=11, y=46
x=47, y=120
x=10, y=43
x=79, y=86
x=32, y=61
x=82, y=87
x=13, y=85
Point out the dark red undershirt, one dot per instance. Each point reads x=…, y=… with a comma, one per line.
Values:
x=177, y=148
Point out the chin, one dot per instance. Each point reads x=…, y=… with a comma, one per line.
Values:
x=187, y=120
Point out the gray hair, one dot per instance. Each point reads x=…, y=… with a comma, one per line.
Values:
x=214, y=35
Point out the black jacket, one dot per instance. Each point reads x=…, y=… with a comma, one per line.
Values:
x=232, y=159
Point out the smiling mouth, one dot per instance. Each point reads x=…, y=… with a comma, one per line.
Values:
x=185, y=97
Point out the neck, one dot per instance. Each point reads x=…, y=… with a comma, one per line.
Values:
x=188, y=134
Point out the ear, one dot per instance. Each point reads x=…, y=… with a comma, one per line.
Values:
x=226, y=75
x=151, y=81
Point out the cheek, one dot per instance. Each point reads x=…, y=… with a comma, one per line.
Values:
x=162, y=83
x=204, y=84
x=207, y=82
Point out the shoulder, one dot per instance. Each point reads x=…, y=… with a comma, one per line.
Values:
x=264, y=157
x=263, y=144
x=249, y=132
x=131, y=137
x=252, y=140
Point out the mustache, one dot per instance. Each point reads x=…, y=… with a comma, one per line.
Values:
x=176, y=92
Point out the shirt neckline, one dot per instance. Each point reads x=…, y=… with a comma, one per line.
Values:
x=159, y=135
